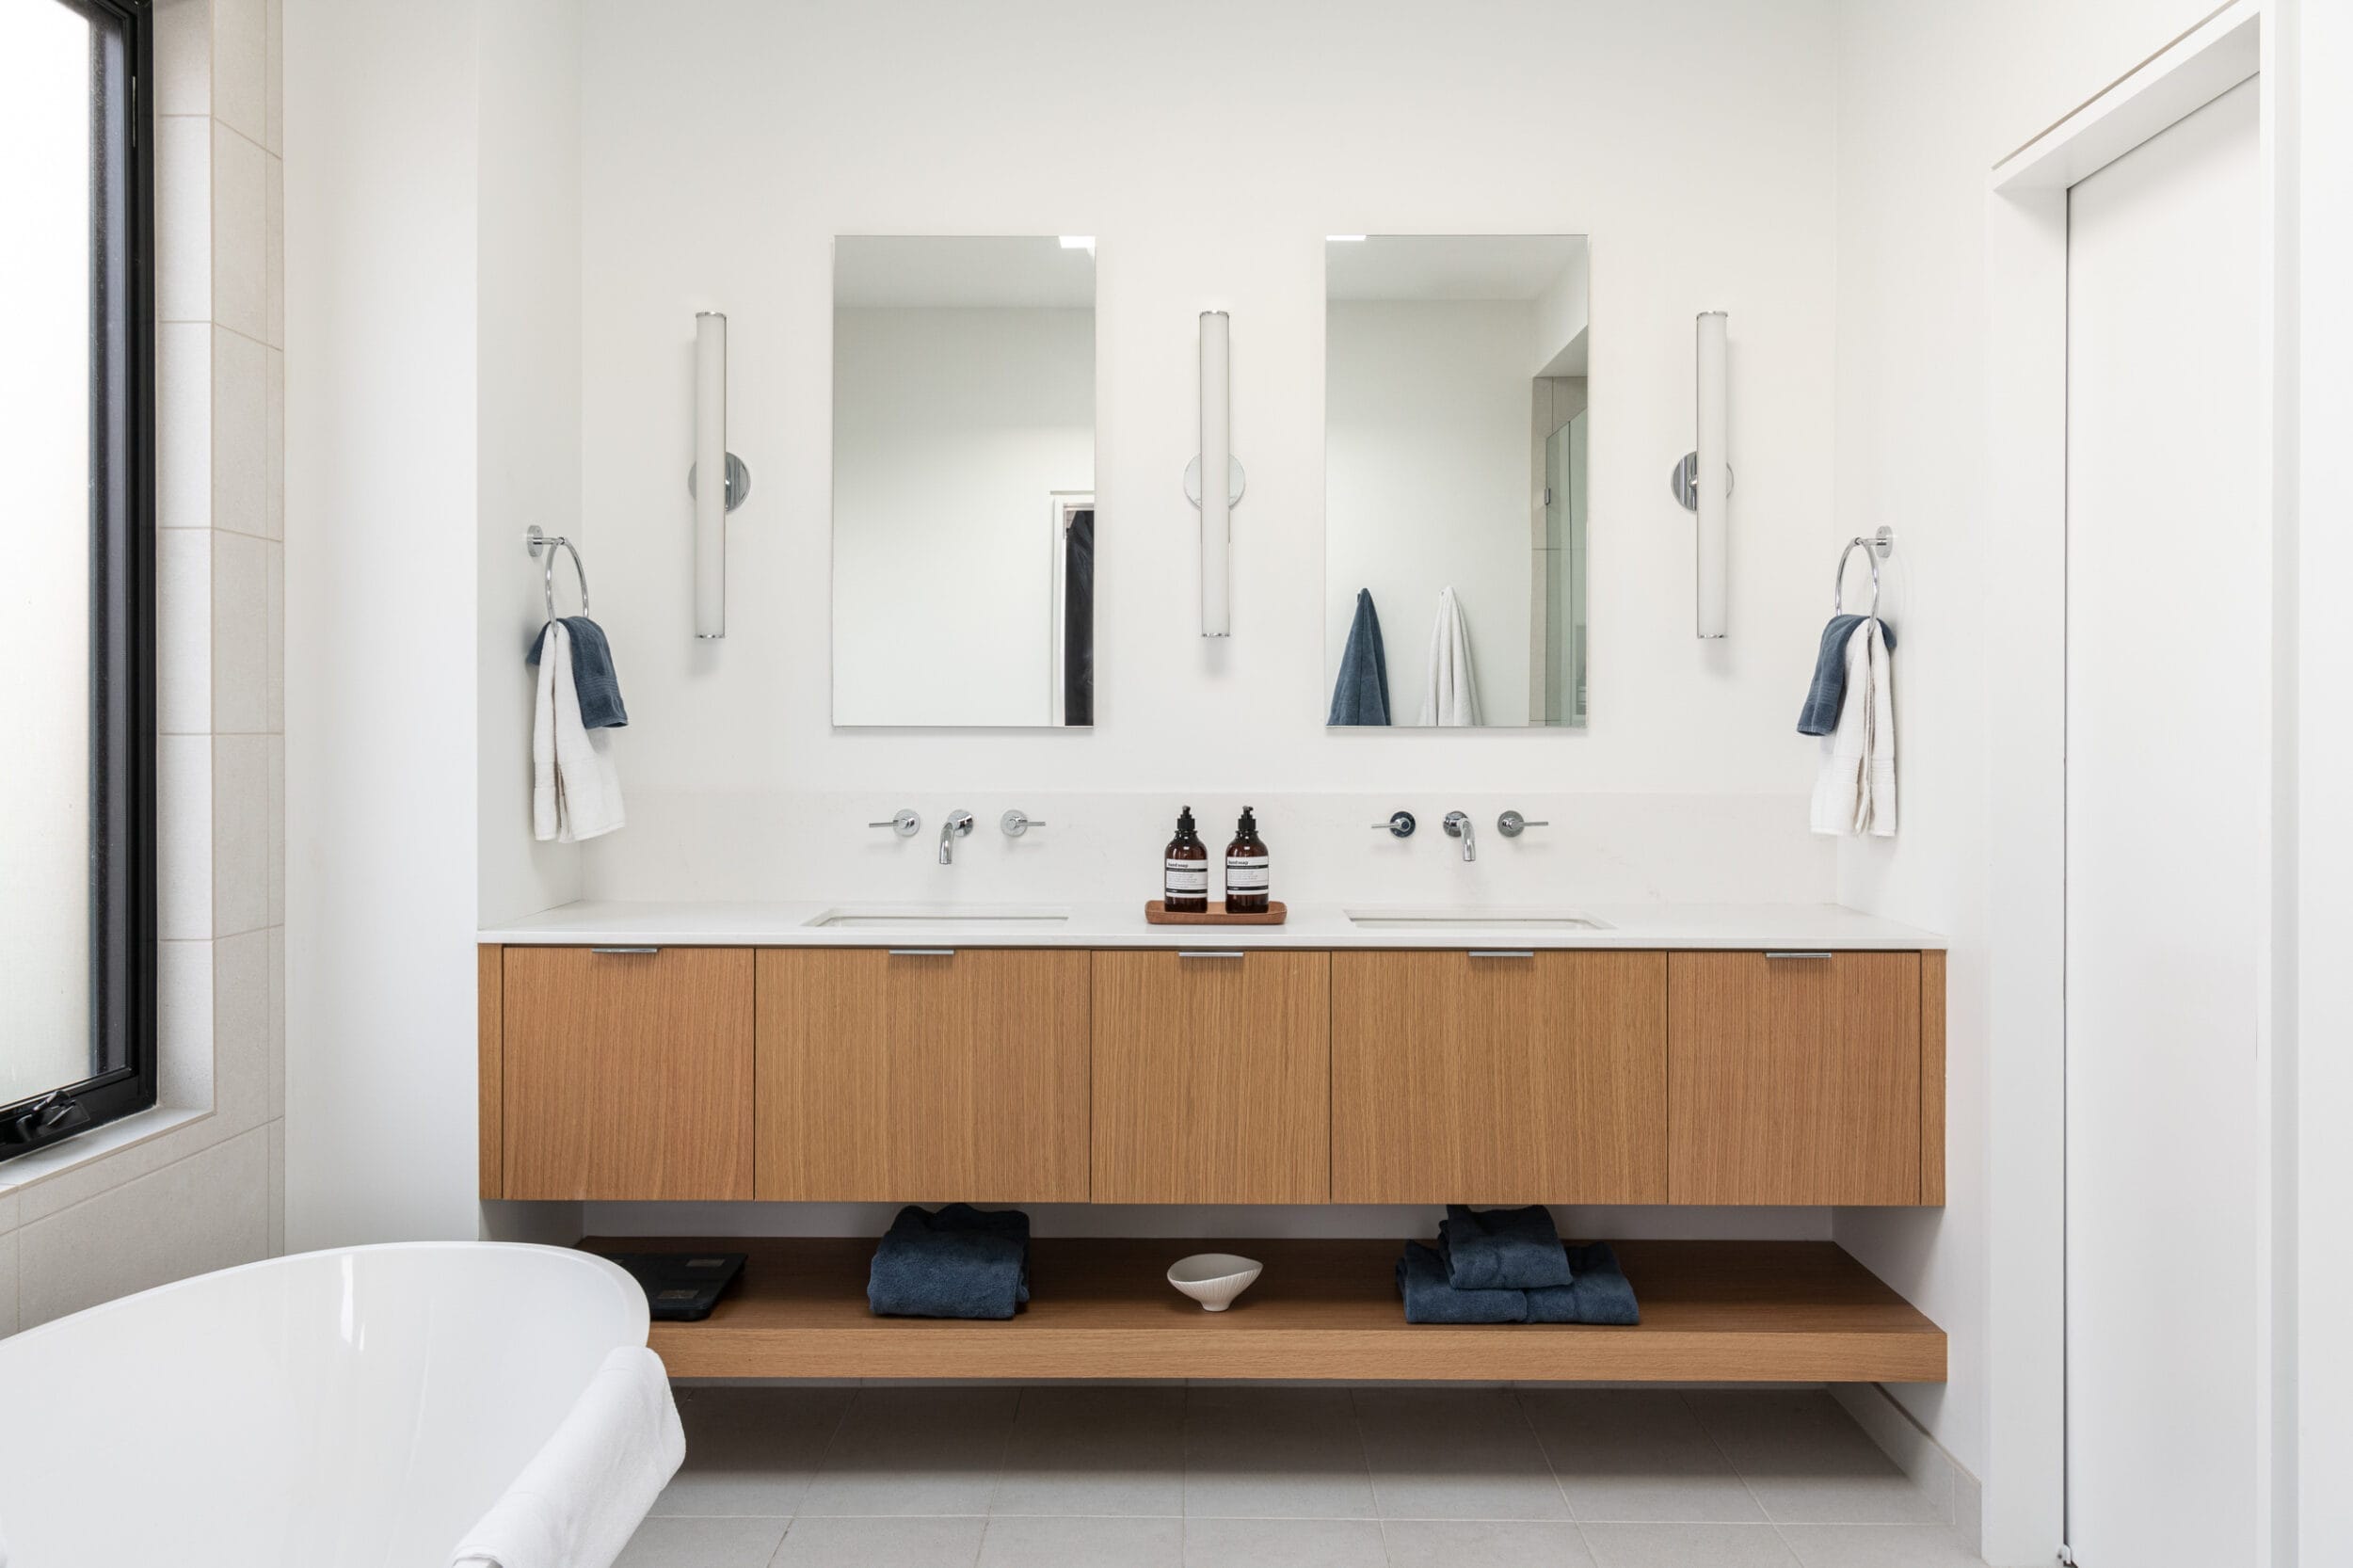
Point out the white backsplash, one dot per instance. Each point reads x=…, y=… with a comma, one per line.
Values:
x=1598, y=848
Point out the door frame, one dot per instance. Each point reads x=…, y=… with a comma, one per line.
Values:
x=2025, y=423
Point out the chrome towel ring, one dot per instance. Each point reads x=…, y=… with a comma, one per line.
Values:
x=541, y=544
x=1876, y=549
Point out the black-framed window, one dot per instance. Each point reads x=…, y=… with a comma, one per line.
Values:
x=77, y=553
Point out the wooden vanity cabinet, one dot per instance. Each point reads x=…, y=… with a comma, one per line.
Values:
x=618, y=1074
x=1797, y=1077
x=1499, y=1079
x=1213, y=1077
x=922, y=1076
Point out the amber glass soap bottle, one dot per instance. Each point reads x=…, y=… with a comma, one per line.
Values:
x=1246, y=881
x=1186, y=870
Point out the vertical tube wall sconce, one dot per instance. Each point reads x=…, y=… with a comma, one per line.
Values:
x=712, y=502
x=1216, y=501
x=1702, y=481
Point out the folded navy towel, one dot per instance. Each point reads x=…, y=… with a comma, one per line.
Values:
x=1820, y=715
x=1361, y=695
x=1501, y=1249
x=1598, y=1294
x=960, y=1262
x=1428, y=1299
x=599, y=689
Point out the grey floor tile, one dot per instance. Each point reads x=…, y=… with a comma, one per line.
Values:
x=1687, y=1546
x=1879, y=1546
x=1808, y=1463
x=1484, y=1544
x=702, y=1543
x=1095, y=1451
x=881, y=1544
x=1274, y=1453
x=1635, y=1454
x=1083, y=1544
x=1283, y=1543
x=1448, y=1453
x=751, y=1451
x=915, y=1450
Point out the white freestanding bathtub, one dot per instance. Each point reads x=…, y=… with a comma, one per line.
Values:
x=332, y=1410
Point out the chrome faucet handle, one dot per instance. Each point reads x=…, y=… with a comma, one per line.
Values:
x=1399, y=826
x=1511, y=825
x=904, y=824
x=1458, y=825
x=1015, y=823
x=957, y=825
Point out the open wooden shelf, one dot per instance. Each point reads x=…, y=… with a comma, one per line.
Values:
x=1712, y=1311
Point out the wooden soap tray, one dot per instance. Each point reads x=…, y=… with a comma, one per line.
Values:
x=1157, y=913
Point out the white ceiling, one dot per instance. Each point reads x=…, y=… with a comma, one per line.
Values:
x=961, y=271
x=1447, y=266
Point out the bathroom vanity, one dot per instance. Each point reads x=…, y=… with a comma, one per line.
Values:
x=1642, y=1056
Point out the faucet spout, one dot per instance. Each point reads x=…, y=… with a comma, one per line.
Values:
x=1458, y=825
x=956, y=826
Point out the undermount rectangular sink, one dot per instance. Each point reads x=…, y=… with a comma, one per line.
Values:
x=884, y=917
x=1492, y=918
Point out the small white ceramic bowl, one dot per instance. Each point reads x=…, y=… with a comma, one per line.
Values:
x=1213, y=1278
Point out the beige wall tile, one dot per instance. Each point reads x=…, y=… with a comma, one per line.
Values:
x=8, y=1283
x=241, y=1031
x=277, y=1021
x=183, y=818
x=275, y=652
x=184, y=630
x=210, y=1210
x=277, y=1189
x=276, y=484
x=183, y=1026
x=240, y=832
x=240, y=633
x=184, y=419
x=276, y=869
x=183, y=219
x=240, y=425
x=240, y=65
x=273, y=78
x=274, y=254
x=184, y=57
x=240, y=234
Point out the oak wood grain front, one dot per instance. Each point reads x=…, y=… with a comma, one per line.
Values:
x=1796, y=1079
x=490, y=1068
x=1213, y=1077
x=1535, y=1078
x=628, y=1075
x=950, y=1076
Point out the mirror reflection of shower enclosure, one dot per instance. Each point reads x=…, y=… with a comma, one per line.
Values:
x=1455, y=407
x=964, y=522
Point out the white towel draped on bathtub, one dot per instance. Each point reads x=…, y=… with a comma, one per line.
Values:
x=575, y=789
x=1854, y=790
x=585, y=1494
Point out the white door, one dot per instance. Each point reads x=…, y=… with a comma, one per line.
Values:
x=2169, y=637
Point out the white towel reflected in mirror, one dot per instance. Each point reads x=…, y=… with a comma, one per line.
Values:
x=1450, y=696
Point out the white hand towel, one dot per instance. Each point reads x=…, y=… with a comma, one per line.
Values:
x=1854, y=790
x=587, y=1491
x=575, y=789
x=1450, y=696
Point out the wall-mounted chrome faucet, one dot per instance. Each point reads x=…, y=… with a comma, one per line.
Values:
x=956, y=826
x=1511, y=825
x=1458, y=825
x=905, y=822
x=1015, y=822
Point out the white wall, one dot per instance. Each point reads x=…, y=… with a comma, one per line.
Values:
x=1426, y=469
x=382, y=497
x=1929, y=96
x=527, y=413
x=952, y=430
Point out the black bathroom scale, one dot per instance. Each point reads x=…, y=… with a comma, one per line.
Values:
x=682, y=1287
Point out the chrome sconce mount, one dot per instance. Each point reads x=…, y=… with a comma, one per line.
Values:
x=739, y=480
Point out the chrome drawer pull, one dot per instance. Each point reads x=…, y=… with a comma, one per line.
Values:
x=923, y=953
x=1798, y=955
x=627, y=953
x=1503, y=952
x=1208, y=953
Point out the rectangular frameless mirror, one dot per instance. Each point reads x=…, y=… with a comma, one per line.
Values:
x=1454, y=480
x=964, y=530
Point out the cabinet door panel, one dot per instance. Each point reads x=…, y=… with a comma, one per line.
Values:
x=627, y=1076
x=1796, y=1079
x=1533, y=1078
x=959, y=1077
x=1213, y=1078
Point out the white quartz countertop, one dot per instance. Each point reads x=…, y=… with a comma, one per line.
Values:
x=1776, y=926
